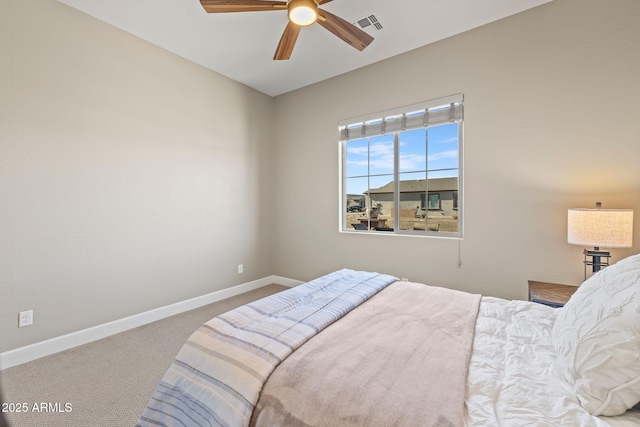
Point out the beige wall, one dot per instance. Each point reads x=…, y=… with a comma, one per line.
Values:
x=552, y=101
x=129, y=177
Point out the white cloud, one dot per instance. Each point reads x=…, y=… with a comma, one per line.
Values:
x=358, y=151
x=380, y=156
x=412, y=161
x=451, y=154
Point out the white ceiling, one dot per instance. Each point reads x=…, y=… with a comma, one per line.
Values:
x=241, y=45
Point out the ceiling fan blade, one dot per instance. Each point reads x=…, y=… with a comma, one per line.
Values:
x=224, y=6
x=287, y=42
x=344, y=30
x=321, y=2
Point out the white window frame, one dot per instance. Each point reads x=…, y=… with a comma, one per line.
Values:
x=374, y=124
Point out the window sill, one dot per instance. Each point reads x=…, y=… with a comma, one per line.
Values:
x=405, y=233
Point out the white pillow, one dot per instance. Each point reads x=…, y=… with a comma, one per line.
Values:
x=597, y=339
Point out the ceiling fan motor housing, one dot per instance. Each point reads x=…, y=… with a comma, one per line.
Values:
x=303, y=12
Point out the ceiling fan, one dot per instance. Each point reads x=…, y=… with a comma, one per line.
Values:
x=301, y=14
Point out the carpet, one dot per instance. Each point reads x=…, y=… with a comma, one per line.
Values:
x=107, y=382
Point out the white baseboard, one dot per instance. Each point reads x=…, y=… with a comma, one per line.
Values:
x=34, y=351
x=291, y=283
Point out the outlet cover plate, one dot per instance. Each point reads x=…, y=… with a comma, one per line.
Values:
x=25, y=318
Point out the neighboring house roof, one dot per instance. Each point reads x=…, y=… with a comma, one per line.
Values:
x=419, y=186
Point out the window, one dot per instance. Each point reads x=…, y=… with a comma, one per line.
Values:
x=434, y=201
x=404, y=169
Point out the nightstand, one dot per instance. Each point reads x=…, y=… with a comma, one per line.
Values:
x=551, y=294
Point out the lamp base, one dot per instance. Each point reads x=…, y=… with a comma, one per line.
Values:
x=597, y=263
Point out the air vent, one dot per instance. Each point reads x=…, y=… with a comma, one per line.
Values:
x=369, y=23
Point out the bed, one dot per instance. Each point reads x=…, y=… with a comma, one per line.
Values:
x=357, y=348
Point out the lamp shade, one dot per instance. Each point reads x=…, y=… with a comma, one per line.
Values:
x=607, y=228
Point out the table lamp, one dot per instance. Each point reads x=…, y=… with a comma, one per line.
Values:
x=606, y=228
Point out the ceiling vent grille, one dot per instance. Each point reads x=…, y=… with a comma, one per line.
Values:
x=369, y=22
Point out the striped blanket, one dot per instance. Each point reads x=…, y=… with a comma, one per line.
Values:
x=216, y=378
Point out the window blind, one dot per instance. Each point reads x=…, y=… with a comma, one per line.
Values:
x=432, y=113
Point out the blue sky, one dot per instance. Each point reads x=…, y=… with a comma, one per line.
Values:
x=415, y=161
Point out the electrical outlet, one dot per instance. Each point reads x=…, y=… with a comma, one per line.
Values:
x=25, y=318
x=240, y=268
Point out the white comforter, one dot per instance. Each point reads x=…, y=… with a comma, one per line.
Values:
x=512, y=362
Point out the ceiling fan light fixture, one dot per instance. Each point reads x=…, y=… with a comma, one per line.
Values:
x=303, y=12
